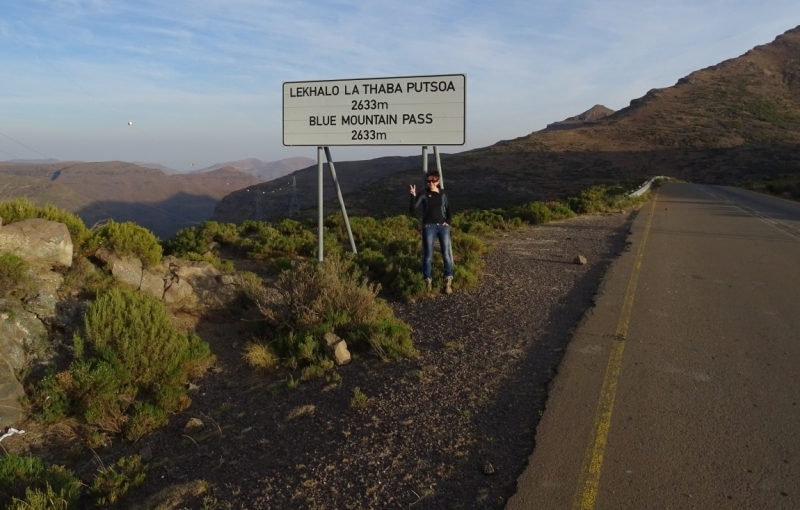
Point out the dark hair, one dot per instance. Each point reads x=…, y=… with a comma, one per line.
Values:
x=433, y=173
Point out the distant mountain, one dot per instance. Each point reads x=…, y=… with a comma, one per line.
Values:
x=593, y=114
x=167, y=170
x=123, y=191
x=263, y=170
x=49, y=160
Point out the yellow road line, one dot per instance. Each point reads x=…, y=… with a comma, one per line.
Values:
x=586, y=494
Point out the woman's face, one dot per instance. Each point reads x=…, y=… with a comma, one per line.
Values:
x=433, y=182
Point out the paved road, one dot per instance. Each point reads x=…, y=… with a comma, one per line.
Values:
x=682, y=388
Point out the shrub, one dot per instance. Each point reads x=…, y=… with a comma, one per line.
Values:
x=26, y=482
x=260, y=355
x=198, y=239
x=14, y=278
x=129, y=368
x=603, y=198
x=128, y=239
x=23, y=209
x=359, y=400
x=313, y=299
x=113, y=482
x=560, y=211
x=85, y=279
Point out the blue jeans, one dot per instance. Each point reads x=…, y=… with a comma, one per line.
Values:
x=430, y=232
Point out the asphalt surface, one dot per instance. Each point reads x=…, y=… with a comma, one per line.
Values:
x=685, y=394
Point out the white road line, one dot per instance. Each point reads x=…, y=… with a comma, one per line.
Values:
x=778, y=225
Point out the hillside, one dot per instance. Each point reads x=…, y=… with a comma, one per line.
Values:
x=732, y=123
x=125, y=192
x=265, y=171
x=276, y=195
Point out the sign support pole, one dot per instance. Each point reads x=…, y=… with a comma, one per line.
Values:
x=438, y=166
x=424, y=159
x=341, y=200
x=320, y=228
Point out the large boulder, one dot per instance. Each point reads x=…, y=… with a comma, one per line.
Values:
x=41, y=243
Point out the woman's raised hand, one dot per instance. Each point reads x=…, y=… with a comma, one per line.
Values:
x=413, y=189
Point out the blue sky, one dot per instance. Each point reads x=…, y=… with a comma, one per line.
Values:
x=201, y=80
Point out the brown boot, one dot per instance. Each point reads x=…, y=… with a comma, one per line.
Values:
x=448, y=288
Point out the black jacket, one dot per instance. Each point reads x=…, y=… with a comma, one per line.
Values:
x=427, y=217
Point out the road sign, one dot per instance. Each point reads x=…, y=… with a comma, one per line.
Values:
x=409, y=110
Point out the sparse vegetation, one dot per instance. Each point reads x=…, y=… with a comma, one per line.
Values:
x=26, y=482
x=314, y=299
x=112, y=483
x=786, y=185
x=14, y=278
x=359, y=399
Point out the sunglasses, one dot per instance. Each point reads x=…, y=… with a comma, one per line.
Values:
x=433, y=180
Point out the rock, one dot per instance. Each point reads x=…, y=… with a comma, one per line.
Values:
x=41, y=243
x=10, y=392
x=19, y=330
x=580, y=259
x=179, y=294
x=336, y=349
x=488, y=469
x=43, y=303
x=226, y=279
x=152, y=284
x=193, y=425
x=203, y=277
x=124, y=269
x=146, y=454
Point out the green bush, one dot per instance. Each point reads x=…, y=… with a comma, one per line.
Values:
x=14, y=278
x=198, y=239
x=113, y=482
x=129, y=369
x=313, y=299
x=128, y=239
x=26, y=482
x=603, y=198
x=23, y=209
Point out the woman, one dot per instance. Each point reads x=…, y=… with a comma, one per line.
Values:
x=436, y=218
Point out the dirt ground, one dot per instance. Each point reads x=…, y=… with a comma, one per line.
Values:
x=452, y=429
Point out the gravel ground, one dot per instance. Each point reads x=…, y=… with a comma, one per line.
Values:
x=452, y=429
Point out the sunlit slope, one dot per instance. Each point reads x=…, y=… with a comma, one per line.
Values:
x=735, y=122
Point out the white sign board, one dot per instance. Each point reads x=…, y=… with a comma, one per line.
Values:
x=410, y=110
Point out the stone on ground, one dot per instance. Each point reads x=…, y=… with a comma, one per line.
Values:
x=336, y=349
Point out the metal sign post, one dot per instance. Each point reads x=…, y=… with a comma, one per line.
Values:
x=320, y=216
x=405, y=110
x=438, y=166
x=341, y=200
